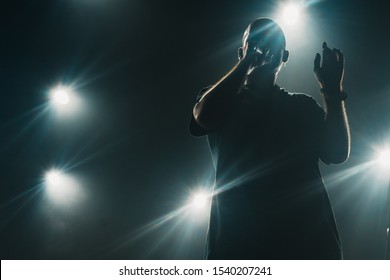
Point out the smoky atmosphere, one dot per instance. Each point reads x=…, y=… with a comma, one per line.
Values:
x=97, y=161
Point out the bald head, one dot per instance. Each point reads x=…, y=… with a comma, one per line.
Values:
x=264, y=32
x=265, y=38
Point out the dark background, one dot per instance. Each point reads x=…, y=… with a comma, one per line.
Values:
x=137, y=67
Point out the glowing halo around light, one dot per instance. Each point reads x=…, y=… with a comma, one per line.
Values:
x=64, y=100
x=62, y=189
x=198, y=204
x=293, y=18
x=199, y=200
x=291, y=14
x=384, y=158
x=60, y=95
x=53, y=177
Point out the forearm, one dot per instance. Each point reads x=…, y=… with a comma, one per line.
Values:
x=219, y=100
x=336, y=139
x=336, y=147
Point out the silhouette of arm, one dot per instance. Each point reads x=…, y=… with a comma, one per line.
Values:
x=218, y=101
x=336, y=142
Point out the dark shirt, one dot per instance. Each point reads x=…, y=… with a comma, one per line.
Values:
x=269, y=200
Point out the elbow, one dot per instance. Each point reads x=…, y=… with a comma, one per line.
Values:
x=335, y=157
x=336, y=151
x=203, y=118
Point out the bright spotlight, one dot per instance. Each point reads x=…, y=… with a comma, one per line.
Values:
x=61, y=188
x=384, y=158
x=53, y=177
x=199, y=200
x=199, y=203
x=64, y=100
x=60, y=95
x=292, y=18
x=291, y=14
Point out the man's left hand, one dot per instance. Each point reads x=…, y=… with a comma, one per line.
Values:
x=330, y=74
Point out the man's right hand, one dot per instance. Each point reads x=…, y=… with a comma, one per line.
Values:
x=251, y=56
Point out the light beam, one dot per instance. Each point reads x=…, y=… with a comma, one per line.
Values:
x=62, y=189
x=384, y=158
x=292, y=17
x=199, y=200
x=53, y=177
x=291, y=13
x=64, y=100
x=60, y=95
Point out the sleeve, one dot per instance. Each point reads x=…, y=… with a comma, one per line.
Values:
x=194, y=128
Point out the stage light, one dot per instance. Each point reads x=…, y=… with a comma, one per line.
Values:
x=61, y=188
x=291, y=13
x=200, y=200
x=293, y=18
x=383, y=162
x=64, y=100
x=198, y=203
x=384, y=158
x=53, y=177
x=60, y=95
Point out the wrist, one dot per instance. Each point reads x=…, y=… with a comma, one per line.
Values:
x=330, y=94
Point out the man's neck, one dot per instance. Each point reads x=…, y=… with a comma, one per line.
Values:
x=261, y=86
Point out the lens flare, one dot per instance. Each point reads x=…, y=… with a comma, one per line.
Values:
x=384, y=158
x=60, y=95
x=291, y=14
x=53, y=177
x=63, y=189
x=200, y=200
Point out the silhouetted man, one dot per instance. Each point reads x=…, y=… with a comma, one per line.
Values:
x=269, y=200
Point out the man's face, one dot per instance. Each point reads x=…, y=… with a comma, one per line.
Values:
x=267, y=40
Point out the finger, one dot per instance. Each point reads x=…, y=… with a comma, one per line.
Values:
x=324, y=59
x=340, y=56
x=337, y=55
x=240, y=53
x=251, y=48
x=327, y=51
x=259, y=58
x=317, y=61
x=330, y=56
x=252, y=45
x=325, y=54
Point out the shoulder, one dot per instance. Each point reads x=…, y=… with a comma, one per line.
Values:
x=202, y=92
x=296, y=96
x=302, y=104
x=194, y=128
x=302, y=99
